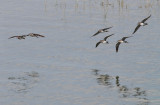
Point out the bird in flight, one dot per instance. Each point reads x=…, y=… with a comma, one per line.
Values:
x=142, y=23
x=35, y=35
x=121, y=41
x=18, y=37
x=104, y=40
x=101, y=31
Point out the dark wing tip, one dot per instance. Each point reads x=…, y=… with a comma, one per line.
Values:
x=126, y=37
x=136, y=29
x=117, y=46
x=97, y=44
x=95, y=34
x=146, y=18
x=41, y=35
x=149, y=16
x=110, y=27
x=107, y=28
x=133, y=32
x=108, y=36
x=12, y=37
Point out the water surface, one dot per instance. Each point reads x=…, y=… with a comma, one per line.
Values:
x=65, y=68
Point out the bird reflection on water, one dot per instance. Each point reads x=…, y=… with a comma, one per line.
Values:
x=24, y=82
x=117, y=81
x=95, y=72
x=104, y=80
x=123, y=90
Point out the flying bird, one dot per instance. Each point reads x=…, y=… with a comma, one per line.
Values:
x=104, y=40
x=18, y=37
x=35, y=35
x=101, y=31
x=142, y=23
x=121, y=41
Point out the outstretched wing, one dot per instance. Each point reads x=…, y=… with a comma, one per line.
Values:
x=24, y=35
x=136, y=29
x=108, y=36
x=96, y=33
x=98, y=44
x=40, y=35
x=12, y=37
x=126, y=37
x=146, y=19
x=35, y=35
x=107, y=28
x=117, y=46
x=30, y=34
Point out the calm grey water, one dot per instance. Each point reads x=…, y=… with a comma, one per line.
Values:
x=65, y=68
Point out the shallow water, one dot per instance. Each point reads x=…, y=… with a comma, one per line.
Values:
x=65, y=68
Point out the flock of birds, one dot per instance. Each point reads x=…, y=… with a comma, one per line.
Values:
x=24, y=36
x=142, y=23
